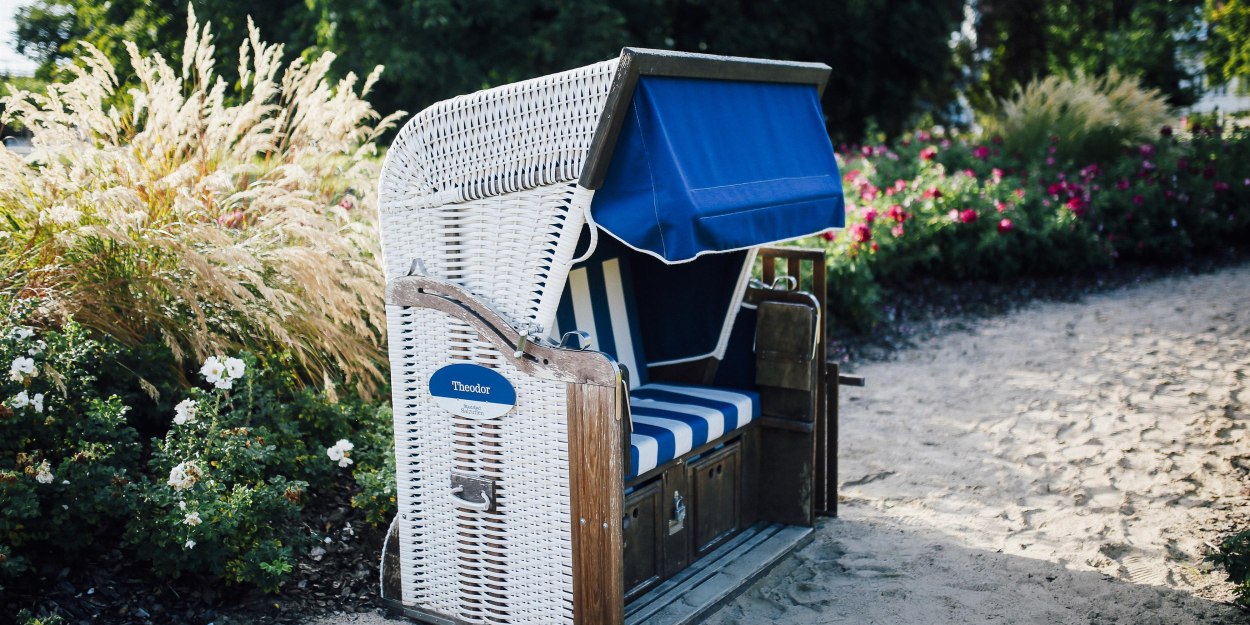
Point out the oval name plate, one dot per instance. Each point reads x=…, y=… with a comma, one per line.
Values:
x=472, y=391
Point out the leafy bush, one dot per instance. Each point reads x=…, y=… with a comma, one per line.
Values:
x=1233, y=554
x=205, y=220
x=1086, y=118
x=66, y=453
x=962, y=209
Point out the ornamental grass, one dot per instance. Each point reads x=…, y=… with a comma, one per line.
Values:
x=204, y=216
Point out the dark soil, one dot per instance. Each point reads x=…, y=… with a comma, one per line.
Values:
x=928, y=307
x=110, y=589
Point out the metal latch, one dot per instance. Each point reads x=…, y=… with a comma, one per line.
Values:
x=473, y=492
x=678, y=522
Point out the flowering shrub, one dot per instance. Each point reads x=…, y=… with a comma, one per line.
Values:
x=66, y=453
x=204, y=216
x=963, y=208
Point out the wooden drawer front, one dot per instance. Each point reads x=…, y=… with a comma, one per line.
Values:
x=644, y=564
x=714, y=480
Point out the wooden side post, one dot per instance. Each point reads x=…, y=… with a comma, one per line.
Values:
x=597, y=499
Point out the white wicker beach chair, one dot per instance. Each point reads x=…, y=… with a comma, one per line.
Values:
x=528, y=492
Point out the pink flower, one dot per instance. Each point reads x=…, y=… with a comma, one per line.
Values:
x=967, y=216
x=897, y=231
x=1139, y=200
x=860, y=232
x=981, y=152
x=868, y=193
x=232, y=219
x=932, y=193
x=971, y=174
x=897, y=213
x=1056, y=188
x=1020, y=194
x=870, y=216
x=1147, y=166
x=1122, y=185
x=1001, y=206
x=924, y=135
x=347, y=203
x=1147, y=150
x=1077, y=206
x=996, y=174
x=1222, y=187
x=1005, y=226
x=1050, y=160
x=900, y=184
x=928, y=153
x=953, y=215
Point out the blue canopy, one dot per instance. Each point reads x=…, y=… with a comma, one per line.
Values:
x=706, y=165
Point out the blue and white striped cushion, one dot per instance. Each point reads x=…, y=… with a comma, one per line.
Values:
x=598, y=301
x=671, y=419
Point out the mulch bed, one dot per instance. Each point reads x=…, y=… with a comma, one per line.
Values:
x=112, y=589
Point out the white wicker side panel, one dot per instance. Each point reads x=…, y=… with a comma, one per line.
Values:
x=513, y=251
x=512, y=565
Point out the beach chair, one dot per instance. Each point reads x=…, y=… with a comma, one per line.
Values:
x=600, y=416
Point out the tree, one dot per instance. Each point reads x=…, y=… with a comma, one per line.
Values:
x=1019, y=40
x=1228, y=50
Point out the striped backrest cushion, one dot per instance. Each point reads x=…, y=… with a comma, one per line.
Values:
x=599, y=299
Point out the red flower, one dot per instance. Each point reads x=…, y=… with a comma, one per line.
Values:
x=1020, y=194
x=967, y=216
x=1123, y=185
x=1139, y=200
x=860, y=232
x=1166, y=130
x=870, y=216
x=874, y=246
x=1077, y=206
x=981, y=152
x=232, y=219
x=996, y=140
x=1056, y=188
x=1001, y=206
x=1208, y=172
x=868, y=192
x=1221, y=187
x=896, y=213
x=932, y=192
x=1005, y=226
x=924, y=135
x=828, y=235
x=928, y=153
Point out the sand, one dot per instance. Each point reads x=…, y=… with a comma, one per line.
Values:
x=1062, y=464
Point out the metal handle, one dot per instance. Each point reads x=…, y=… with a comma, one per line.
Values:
x=481, y=506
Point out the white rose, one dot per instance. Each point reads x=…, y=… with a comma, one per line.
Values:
x=184, y=412
x=44, y=475
x=212, y=370
x=184, y=476
x=22, y=367
x=20, y=400
x=192, y=519
x=234, y=368
x=190, y=544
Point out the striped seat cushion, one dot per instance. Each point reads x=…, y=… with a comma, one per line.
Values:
x=671, y=419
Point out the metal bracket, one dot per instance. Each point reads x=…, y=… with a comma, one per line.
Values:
x=473, y=492
x=678, y=522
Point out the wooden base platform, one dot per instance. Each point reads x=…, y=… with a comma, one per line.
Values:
x=717, y=577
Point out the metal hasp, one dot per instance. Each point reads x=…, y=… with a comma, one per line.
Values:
x=473, y=492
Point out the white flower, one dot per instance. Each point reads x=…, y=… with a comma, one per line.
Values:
x=20, y=400
x=22, y=333
x=185, y=475
x=44, y=474
x=182, y=505
x=339, y=452
x=36, y=402
x=213, y=370
x=234, y=368
x=190, y=544
x=22, y=367
x=37, y=348
x=184, y=412
x=192, y=519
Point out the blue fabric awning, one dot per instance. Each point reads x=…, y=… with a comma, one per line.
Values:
x=704, y=166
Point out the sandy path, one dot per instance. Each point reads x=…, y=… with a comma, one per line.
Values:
x=1063, y=464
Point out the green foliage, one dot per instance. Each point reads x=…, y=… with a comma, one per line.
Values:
x=1234, y=555
x=1018, y=41
x=962, y=209
x=66, y=452
x=1089, y=119
x=1228, y=49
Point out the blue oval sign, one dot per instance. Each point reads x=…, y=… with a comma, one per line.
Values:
x=472, y=391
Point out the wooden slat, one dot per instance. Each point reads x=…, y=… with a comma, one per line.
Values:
x=597, y=499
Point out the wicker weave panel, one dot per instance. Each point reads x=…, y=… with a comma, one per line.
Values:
x=512, y=565
x=519, y=136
